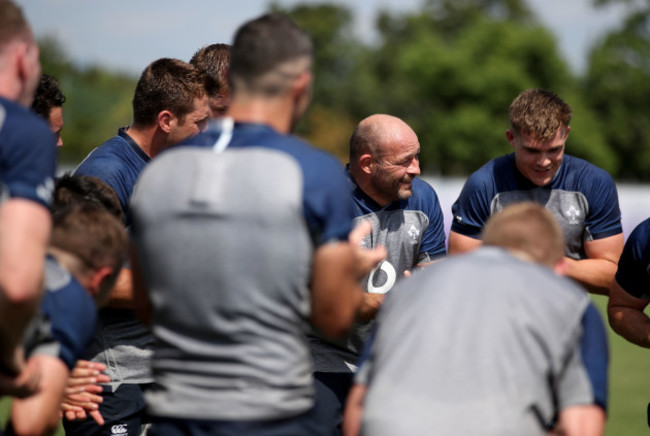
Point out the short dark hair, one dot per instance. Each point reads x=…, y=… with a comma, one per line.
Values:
x=167, y=84
x=539, y=113
x=12, y=22
x=70, y=190
x=48, y=95
x=90, y=233
x=263, y=45
x=214, y=60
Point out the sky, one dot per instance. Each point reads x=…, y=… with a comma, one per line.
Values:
x=126, y=35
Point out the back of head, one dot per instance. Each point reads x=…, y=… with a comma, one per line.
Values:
x=527, y=229
x=539, y=114
x=70, y=190
x=214, y=60
x=12, y=23
x=91, y=234
x=167, y=84
x=268, y=53
x=48, y=95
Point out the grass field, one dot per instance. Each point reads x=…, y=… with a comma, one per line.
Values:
x=629, y=386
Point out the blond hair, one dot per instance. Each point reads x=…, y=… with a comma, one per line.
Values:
x=529, y=229
x=540, y=114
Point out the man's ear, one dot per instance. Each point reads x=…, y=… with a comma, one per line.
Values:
x=365, y=163
x=166, y=121
x=302, y=84
x=100, y=284
x=510, y=136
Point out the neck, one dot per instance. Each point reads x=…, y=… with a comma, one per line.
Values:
x=145, y=137
x=71, y=263
x=274, y=112
x=364, y=184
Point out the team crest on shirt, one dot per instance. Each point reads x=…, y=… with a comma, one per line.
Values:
x=572, y=213
x=413, y=233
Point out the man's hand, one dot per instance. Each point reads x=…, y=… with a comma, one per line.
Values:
x=80, y=396
x=24, y=384
x=366, y=259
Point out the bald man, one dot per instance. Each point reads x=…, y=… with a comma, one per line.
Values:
x=406, y=218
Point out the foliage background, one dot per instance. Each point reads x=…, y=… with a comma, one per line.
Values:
x=450, y=69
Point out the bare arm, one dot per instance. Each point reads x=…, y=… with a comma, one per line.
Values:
x=460, y=243
x=354, y=410
x=597, y=272
x=39, y=414
x=581, y=420
x=24, y=233
x=626, y=316
x=335, y=291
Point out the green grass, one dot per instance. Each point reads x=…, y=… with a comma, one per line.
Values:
x=629, y=385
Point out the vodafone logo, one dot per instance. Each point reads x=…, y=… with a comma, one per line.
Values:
x=119, y=429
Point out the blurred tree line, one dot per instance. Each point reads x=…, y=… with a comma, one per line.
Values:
x=449, y=69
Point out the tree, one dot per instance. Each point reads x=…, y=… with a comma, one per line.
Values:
x=617, y=86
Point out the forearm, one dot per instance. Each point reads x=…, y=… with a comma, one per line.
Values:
x=354, y=410
x=596, y=275
x=581, y=420
x=24, y=232
x=39, y=414
x=336, y=294
x=632, y=324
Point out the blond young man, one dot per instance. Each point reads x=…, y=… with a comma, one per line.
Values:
x=581, y=196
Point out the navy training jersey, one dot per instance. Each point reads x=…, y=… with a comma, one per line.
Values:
x=581, y=196
x=27, y=154
x=633, y=274
x=67, y=320
x=412, y=231
x=118, y=162
x=226, y=244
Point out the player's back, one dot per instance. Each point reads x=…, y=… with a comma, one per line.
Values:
x=229, y=287
x=472, y=345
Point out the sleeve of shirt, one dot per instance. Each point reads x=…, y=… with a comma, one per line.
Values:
x=604, y=217
x=327, y=199
x=73, y=317
x=105, y=170
x=29, y=161
x=584, y=379
x=472, y=208
x=365, y=360
x=433, y=244
x=633, y=274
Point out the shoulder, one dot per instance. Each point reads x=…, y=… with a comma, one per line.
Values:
x=19, y=124
x=424, y=197
x=582, y=171
x=490, y=173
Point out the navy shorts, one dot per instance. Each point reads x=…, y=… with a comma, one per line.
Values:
x=306, y=424
x=123, y=411
x=332, y=390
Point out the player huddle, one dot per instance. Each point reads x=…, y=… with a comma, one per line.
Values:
x=269, y=291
